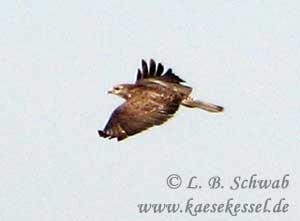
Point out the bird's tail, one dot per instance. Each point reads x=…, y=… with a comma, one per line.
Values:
x=190, y=102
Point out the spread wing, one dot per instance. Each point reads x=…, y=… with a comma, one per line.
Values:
x=137, y=115
x=154, y=76
x=156, y=72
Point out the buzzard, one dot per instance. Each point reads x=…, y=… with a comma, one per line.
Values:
x=150, y=101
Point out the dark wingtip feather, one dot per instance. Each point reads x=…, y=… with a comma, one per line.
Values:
x=152, y=67
x=102, y=134
x=171, y=76
x=139, y=75
x=169, y=71
x=144, y=68
x=156, y=71
x=160, y=69
x=120, y=138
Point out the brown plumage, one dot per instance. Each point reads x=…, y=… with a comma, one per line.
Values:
x=152, y=100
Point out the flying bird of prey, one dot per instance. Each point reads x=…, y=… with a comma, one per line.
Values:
x=150, y=101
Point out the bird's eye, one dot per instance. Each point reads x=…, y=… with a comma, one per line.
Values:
x=117, y=88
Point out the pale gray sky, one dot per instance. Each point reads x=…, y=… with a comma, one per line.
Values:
x=58, y=59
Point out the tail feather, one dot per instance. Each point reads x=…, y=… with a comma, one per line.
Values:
x=189, y=102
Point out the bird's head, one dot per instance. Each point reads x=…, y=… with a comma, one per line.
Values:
x=121, y=90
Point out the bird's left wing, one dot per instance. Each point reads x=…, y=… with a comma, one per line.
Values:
x=137, y=115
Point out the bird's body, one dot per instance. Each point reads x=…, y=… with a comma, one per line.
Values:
x=152, y=100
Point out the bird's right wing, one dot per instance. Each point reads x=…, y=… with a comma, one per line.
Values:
x=156, y=72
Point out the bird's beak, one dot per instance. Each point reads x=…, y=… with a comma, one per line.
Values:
x=110, y=91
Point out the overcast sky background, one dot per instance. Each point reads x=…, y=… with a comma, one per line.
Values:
x=58, y=59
